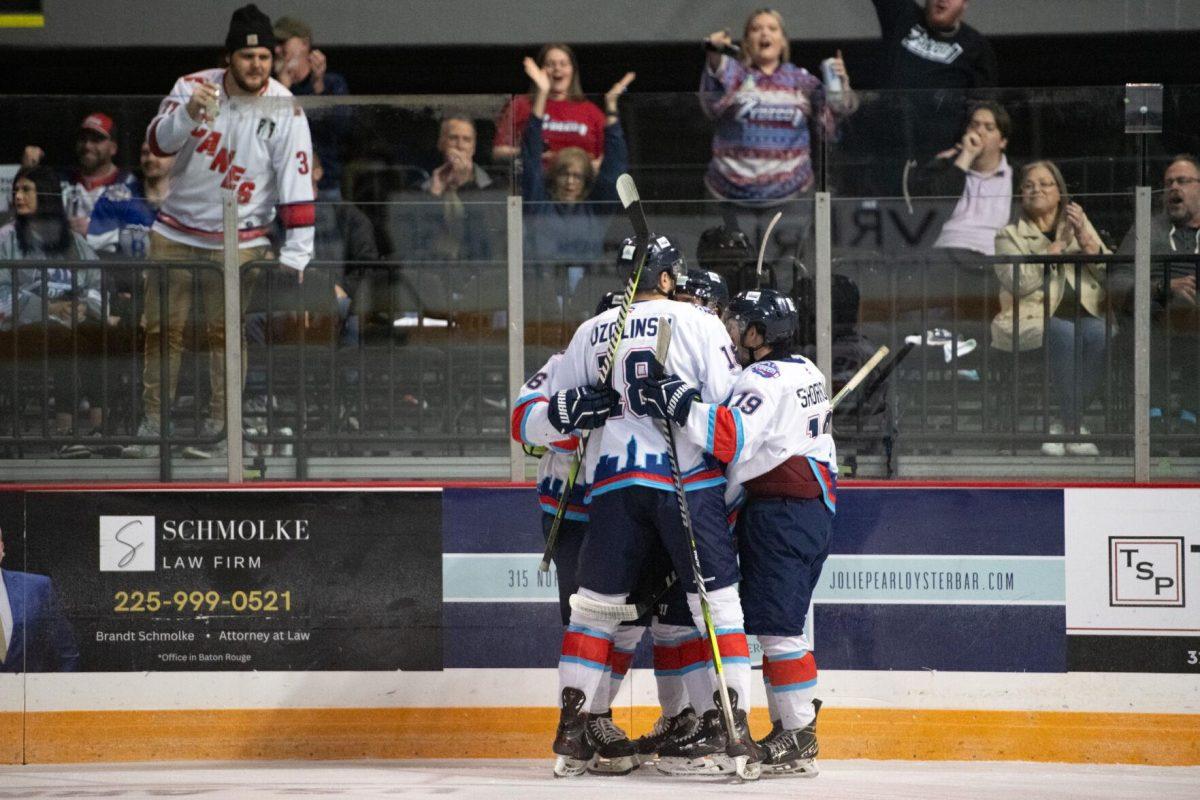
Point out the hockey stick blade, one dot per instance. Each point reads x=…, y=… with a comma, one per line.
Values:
x=632, y=201
x=859, y=376
x=762, y=246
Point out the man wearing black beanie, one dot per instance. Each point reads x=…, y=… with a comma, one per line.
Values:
x=233, y=130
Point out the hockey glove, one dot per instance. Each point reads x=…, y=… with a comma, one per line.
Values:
x=581, y=409
x=668, y=398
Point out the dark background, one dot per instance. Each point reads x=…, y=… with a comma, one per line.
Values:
x=1026, y=61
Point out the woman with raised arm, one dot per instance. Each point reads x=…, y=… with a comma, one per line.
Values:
x=568, y=118
x=768, y=114
x=568, y=202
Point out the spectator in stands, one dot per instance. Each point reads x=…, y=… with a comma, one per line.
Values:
x=976, y=171
x=96, y=148
x=932, y=48
x=1049, y=224
x=454, y=232
x=566, y=222
x=933, y=52
x=568, y=119
x=1174, y=318
x=121, y=219
x=271, y=174
x=66, y=301
x=768, y=112
x=304, y=70
x=764, y=107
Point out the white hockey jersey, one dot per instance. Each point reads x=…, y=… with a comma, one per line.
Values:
x=629, y=450
x=530, y=426
x=777, y=410
x=259, y=147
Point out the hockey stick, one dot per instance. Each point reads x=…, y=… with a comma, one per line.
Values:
x=859, y=376
x=762, y=246
x=627, y=191
x=628, y=612
x=886, y=369
x=685, y=517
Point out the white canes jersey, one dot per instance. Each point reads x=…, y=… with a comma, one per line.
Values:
x=259, y=147
x=629, y=450
x=530, y=426
x=778, y=410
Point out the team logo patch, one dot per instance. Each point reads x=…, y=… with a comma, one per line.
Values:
x=266, y=129
x=766, y=369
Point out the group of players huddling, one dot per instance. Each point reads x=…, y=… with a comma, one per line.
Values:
x=758, y=465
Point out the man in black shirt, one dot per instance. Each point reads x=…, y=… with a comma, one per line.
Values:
x=934, y=48
x=932, y=63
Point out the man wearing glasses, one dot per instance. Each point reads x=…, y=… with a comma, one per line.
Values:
x=1175, y=321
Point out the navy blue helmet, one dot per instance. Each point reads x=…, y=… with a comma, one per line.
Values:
x=770, y=310
x=609, y=300
x=706, y=286
x=661, y=256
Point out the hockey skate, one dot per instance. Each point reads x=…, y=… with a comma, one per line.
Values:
x=792, y=752
x=572, y=744
x=707, y=751
x=615, y=754
x=665, y=730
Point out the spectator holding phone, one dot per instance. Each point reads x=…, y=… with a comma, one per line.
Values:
x=767, y=113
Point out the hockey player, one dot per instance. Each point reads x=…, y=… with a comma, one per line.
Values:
x=632, y=492
x=773, y=432
x=235, y=130
x=703, y=288
x=671, y=627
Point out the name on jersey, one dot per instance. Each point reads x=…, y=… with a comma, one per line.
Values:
x=634, y=329
x=812, y=395
x=222, y=162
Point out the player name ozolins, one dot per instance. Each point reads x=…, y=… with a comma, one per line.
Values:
x=234, y=530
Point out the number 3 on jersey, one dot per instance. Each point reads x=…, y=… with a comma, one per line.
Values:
x=637, y=366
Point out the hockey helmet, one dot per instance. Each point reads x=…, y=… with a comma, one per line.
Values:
x=707, y=287
x=769, y=310
x=661, y=256
x=721, y=247
x=609, y=300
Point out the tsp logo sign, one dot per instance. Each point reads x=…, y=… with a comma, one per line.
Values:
x=1145, y=571
x=127, y=544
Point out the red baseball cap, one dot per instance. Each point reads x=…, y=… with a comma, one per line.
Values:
x=98, y=123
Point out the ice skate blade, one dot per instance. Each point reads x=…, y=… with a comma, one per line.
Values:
x=613, y=766
x=745, y=770
x=567, y=767
x=800, y=768
x=716, y=764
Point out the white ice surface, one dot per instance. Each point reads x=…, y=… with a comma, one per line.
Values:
x=531, y=780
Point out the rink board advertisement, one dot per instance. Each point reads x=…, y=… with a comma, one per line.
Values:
x=240, y=580
x=916, y=579
x=1133, y=560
